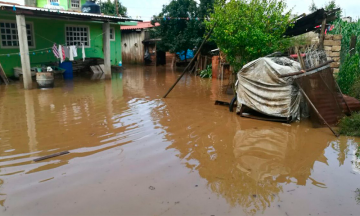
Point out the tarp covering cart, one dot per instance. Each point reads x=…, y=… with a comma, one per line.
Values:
x=261, y=88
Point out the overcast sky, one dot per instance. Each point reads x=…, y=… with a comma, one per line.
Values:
x=147, y=8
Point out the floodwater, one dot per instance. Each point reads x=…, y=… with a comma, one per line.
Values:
x=133, y=153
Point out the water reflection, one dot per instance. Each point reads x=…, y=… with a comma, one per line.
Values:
x=246, y=162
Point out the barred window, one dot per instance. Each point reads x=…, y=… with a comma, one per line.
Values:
x=75, y=3
x=112, y=34
x=9, y=34
x=76, y=35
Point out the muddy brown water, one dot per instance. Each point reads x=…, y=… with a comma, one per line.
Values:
x=133, y=153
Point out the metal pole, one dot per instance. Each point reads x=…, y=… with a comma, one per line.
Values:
x=192, y=60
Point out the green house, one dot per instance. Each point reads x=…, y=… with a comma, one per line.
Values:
x=43, y=27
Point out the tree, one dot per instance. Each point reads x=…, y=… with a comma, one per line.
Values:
x=182, y=25
x=330, y=5
x=246, y=30
x=109, y=8
x=312, y=7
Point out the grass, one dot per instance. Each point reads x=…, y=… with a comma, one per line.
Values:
x=350, y=125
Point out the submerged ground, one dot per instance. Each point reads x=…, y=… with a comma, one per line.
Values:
x=133, y=153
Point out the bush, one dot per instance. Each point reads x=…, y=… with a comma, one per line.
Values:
x=350, y=125
x=207, y=73
x=355, y=89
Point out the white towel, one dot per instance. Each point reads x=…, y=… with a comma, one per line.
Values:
x=74, y=50
x=60, y=53
x=71, y=54
x=83, y=52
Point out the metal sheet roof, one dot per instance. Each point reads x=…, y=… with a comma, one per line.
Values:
x=140, y=25
x=61, y=14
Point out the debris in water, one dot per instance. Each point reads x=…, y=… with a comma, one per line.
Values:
x=152, y=188
x=51, y=156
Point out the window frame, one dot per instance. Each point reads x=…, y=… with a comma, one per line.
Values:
x=71, y=7
x=113, y=28
x=17, y=47
x=82, y=26
x=57, y=1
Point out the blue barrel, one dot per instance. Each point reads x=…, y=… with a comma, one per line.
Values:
x=67, y=65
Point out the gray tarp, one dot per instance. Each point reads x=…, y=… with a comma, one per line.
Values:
x=260, y=88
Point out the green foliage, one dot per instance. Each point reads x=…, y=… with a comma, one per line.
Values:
x=355, y=89
x=248, y=29
x=182, y=34
x=349, y=73
x=207, y=73
x=109, y=8
x=346, y=29
x=330, y=5
x=350, y=126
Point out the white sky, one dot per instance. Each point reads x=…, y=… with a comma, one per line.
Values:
x=147, y=8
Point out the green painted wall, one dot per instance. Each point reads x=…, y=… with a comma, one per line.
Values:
x=64, y=3
x=47, y=31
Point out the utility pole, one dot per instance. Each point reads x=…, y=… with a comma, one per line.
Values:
x=116, y=7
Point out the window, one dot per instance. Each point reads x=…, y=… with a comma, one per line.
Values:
x=9, y=34
x=112, y=34
x=75, y=3
x=76, y=35
x=54, y=1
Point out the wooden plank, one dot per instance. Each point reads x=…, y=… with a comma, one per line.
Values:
x=3, y=75
x=96, y=69
x=102, y=67
x=322, y=33
x=317, y=112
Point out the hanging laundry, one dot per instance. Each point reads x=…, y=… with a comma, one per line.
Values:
x=67, y=51
x=63, y=53
x=71, y=54
x=74, y=50
x=60, y=54
x=83, y=52
x=55, y=51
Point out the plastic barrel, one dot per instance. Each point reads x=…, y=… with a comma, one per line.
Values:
x=67, y=65
x=45, y=80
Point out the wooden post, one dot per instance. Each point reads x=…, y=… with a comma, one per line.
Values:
x=322, y=33
x=353, y=45
x=205, y=62
x=24, y=51
x=301, y=60
x=106, y=47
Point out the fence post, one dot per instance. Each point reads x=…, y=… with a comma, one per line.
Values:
x=353, y=45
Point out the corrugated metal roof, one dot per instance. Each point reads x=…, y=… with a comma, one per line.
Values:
x=140, y=25
x=61, y=13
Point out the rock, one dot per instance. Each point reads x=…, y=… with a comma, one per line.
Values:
x=328, y=37
x=327, y=48
x=332, y=43
x=336, y=48
x=335, y=64
x=335, y=70
x=334, y=54
x=337, y=37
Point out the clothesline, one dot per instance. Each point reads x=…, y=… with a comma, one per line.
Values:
x=47, y=49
